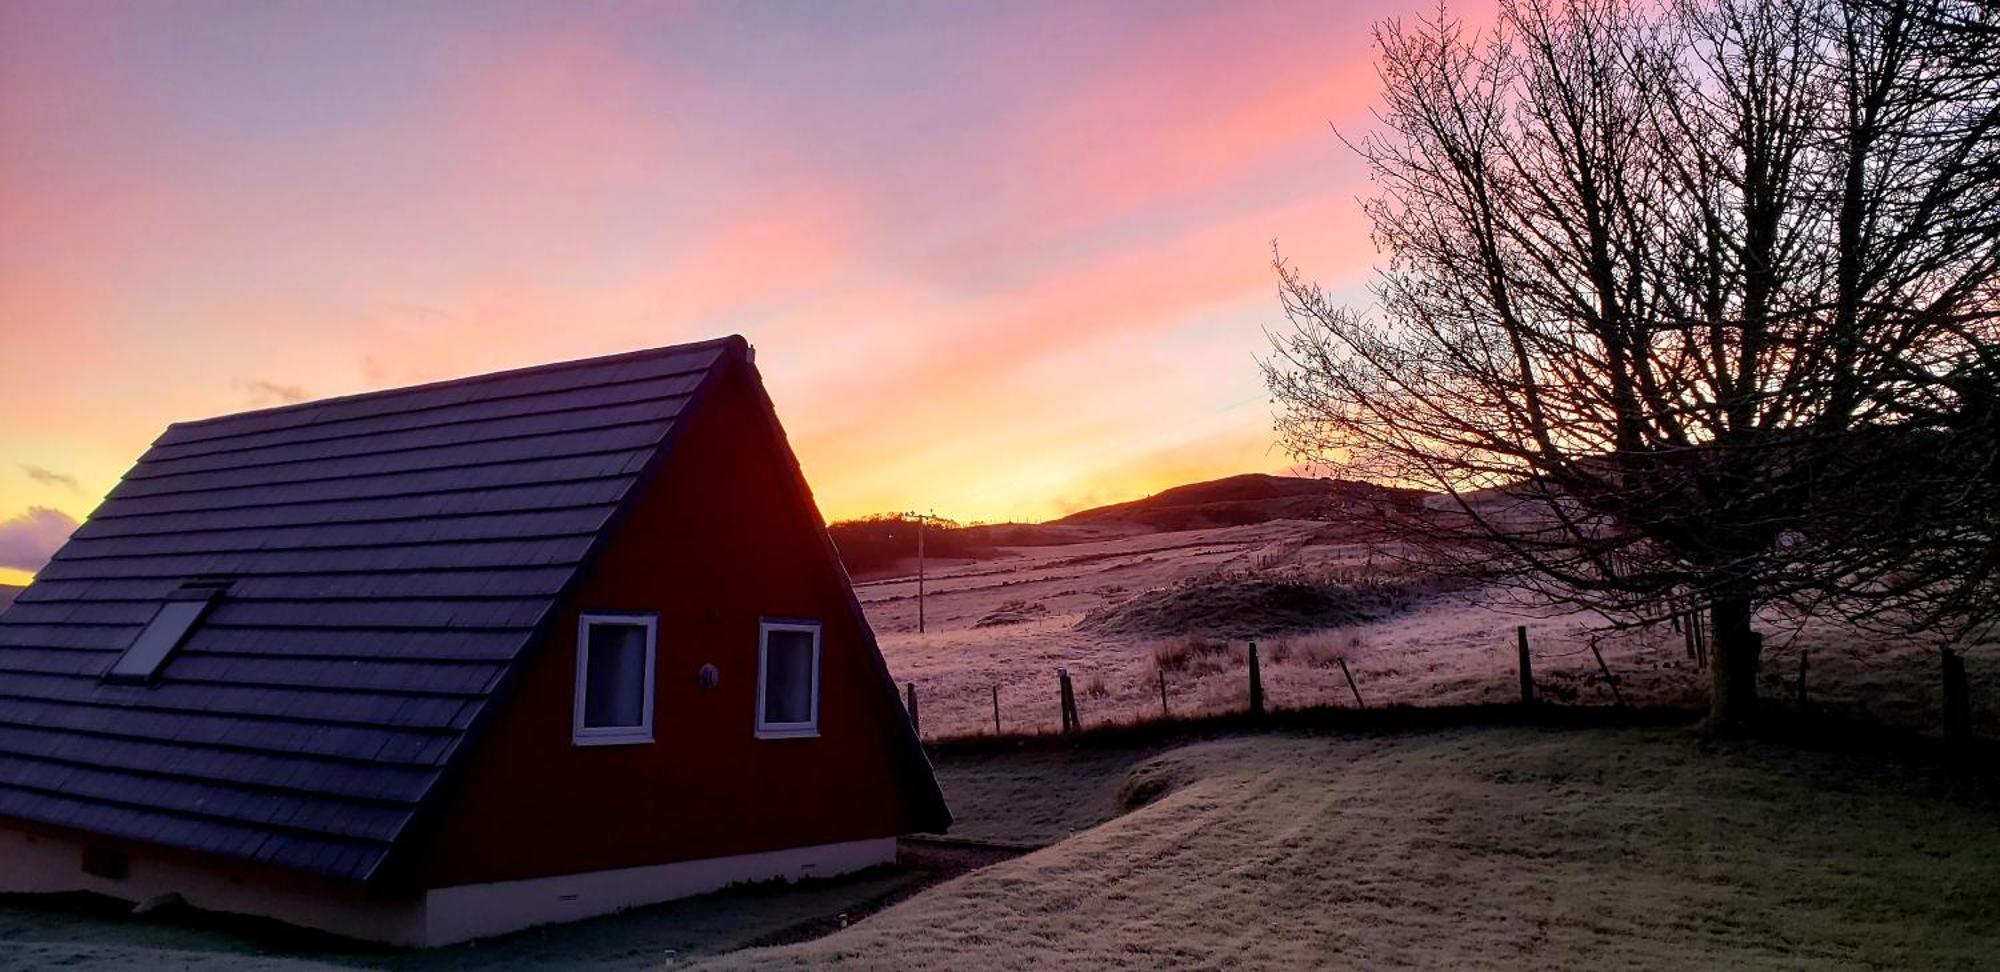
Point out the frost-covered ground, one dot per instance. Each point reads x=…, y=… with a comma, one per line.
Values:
x=1457, y=848
x=1475, y=848
x=1449, y=649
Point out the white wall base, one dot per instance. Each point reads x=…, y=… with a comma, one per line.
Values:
x=441, y=916
x=470, y=911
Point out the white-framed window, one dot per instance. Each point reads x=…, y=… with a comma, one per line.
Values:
x=614, y=678
x=787, y=679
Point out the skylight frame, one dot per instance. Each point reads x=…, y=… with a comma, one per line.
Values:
x=163, y=636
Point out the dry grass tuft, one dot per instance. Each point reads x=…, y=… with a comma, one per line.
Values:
x=1194, y=655
x=1247, y=605
x=1014, y=612
x=1327, y=648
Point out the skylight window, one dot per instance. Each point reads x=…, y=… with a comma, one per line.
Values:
x=157, y=641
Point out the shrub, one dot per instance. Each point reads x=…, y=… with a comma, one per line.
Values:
x=1207, y=665
x=1195, y=654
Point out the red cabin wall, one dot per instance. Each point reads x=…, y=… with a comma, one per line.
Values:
x=717, y=540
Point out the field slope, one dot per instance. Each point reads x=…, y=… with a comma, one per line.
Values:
x=1240, y=501
x=1477, y=848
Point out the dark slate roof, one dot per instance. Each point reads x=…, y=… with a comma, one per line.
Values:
x=391, y=555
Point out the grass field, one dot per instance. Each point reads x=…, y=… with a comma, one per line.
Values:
x=1492, y=848
x=1037, y=797
x=1442, y=650
x=1501, y=847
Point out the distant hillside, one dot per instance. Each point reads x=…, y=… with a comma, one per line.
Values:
x=887, y=544
x=880, y=546
x=8, y=593
x=1238, y=501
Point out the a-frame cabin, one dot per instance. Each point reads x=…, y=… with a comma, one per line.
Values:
x=442, y=662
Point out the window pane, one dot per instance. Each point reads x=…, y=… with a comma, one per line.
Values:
x=160, y=637
x=614, y=692
x=788, y=676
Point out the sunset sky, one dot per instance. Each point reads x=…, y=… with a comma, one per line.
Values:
x=1000, y=260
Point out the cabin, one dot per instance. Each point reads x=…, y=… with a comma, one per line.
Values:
x=437, y=663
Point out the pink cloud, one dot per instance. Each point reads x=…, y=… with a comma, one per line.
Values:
x=28, y=539
x=1196, y=109
x=973, y=352
x=564, y=110
x=990, y=264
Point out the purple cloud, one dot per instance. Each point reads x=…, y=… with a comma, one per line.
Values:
x=28, y=540
x=271, y=393
x=49, y=477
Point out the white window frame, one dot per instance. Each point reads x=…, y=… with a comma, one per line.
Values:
x=583, y=735
x=786, y=730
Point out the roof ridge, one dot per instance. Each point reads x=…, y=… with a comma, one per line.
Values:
x=550, y=367
x=501, y=690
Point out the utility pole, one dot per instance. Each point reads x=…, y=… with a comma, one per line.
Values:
x=920, y=574
x=920, y=518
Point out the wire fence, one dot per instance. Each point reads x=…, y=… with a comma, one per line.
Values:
x=1202, y=678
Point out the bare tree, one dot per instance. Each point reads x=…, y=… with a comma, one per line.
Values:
x=1669, y=288
x=1937, y=571
x=1938, y=568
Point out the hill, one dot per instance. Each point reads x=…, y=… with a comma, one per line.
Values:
x=8, y=593
x=1239, y=501
x=886, y=545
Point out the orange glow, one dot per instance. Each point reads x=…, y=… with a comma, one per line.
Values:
x=1002, y=262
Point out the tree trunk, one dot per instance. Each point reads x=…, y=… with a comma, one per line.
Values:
x=1734, y=653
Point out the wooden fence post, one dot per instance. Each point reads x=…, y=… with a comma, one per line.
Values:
x=1957, y=699
x=1802, y=680
x=996, y=709
x=1527, y=667
x=1164, y=713
x=1068, y=696
x=1351, y=686
x=1609, y=679
x=915, y=726
x=1256, y=684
